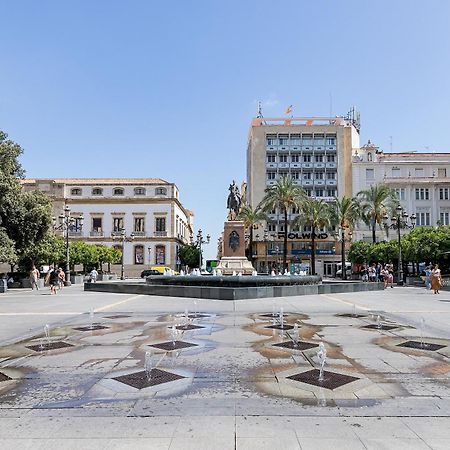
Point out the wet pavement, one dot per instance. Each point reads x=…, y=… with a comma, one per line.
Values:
x=234, y=376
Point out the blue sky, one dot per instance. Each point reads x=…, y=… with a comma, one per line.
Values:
x=168, y=89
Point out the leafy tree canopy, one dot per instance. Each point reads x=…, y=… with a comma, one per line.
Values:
x=189, y=255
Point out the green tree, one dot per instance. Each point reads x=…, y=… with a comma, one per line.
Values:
x=375, y=202
x=49, y=250
x=25, y=216
x=344, y=213
x=314, y=213
x=85, y=254
x=189, y=255
x=283, y=195
x=360, y=252
x=251, y=217
x=108, y=255
x=7, y=250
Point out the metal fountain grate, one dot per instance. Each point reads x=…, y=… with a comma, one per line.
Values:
x=279, y=327
x=273, y=315
x=168, y=346
x=93, y=328
x=118, y=316
x=140, y=380
x=418, y=345
x=48, y=346
x=331, y=380
x=4, y=377
x=198, y=316
x=352, y=316
x=188, y=327
x=374, y=326
x=300, y=345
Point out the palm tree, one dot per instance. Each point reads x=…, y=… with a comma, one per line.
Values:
x=251, y=217
x=375, y=201
x=344, y=213
x=283, y=195
x=316, y=214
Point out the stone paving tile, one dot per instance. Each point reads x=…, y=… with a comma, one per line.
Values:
x=191, y=427
x=203, y=443
x=267, y=443
x=387, y=427
x=439, y=444
x=331, y=444
x=436, y=428
x=395, y=444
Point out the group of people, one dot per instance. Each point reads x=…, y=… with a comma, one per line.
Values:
x=433, y=279
x=378, y=273
x=55, y=278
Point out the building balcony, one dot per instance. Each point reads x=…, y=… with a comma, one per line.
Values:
x=331, y=182
x=307, y=182
x=139, y=233
x=319, y=165
x=160, y=234
x=307, y=165
x=116, y=233
x=96, y=233
x=271, y=165
x=319, y=182
x=283, y=165
x=295, y=165
x=75, y=233
x=331, y=165
x=331, y=148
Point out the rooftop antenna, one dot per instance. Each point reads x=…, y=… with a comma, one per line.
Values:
x=259, y=115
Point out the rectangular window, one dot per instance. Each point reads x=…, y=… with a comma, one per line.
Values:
x=370, y=175
x=139, y=224
x=444, y=218
x=423, y=219
x=271, y=140
x=306, y=158
x=318, y=176
x=118, y=224
x=443, y=193
x=271, y=158
x=283, y=158
x=319, y=192
x=318, y=158
x=295, y=158
x=97, y=224
x=160, y=224
x=331, y=193
x=271, y=175
x=442, y=173
x=331, y=175
x=295, y=175
x=418, y=172
x=400, y=192
x=307, y=139
x=331, y=141
x=283, y=140
x=396, y=173
x=271, y=227
x=331, y=158
x=422, y=194
x=307, y=176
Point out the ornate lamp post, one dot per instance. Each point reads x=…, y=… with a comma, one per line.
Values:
x=123, y=238
x=66, y=223
x=343, y=239
x=199, y=242
x=400, y=221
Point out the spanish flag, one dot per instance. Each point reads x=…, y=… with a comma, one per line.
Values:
x=288, y=110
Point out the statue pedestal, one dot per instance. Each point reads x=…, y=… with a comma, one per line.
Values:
x=234, y=259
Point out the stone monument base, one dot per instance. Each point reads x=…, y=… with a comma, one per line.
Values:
x=229, y=264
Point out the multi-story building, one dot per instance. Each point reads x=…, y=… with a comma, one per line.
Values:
x=421, y=181
x=316, y=152
x=149, y=209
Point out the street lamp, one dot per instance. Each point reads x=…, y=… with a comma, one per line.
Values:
x=400, y=221
x=198, y=242
x=66, y=223
x=343, y=239
x=123, y=238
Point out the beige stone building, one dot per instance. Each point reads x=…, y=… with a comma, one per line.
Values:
x=421, y=181
x=316, y=152
x=147, y=208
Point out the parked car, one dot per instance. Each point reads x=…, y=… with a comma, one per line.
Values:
x=348, y=269
x=149, y=272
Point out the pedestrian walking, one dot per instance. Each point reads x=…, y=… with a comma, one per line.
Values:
x=54, y=281
x=427, y=278
x=62, y=277
x=34, y=277
x=93, y=275
x=436, y=279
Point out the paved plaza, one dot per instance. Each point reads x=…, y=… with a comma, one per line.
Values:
x=234, y=379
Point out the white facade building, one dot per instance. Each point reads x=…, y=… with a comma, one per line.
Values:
x=148, y=209
x=421, y=181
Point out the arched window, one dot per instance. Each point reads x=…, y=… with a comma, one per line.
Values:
x=161, y=191
x=97, y=191
x=139, y=191
x=369, y=156
x=75, y=191
x=160, y=255
x=118, y=191
x=139, y=254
